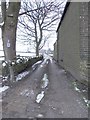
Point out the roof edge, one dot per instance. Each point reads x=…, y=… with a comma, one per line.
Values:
x=65, y=10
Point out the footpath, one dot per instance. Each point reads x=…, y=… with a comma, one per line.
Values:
x=50, y=83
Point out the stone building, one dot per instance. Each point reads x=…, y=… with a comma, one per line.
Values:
x=72, y=40
x=55, y=50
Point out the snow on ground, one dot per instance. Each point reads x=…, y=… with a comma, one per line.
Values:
x=2, y=89
x=18, y=77
x=40, y=97
x=44, y=84
x=37, y=63
x=45, y=81
x=43, y=64
x=21, y=75
x=34, y=65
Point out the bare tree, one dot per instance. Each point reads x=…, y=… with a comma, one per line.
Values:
x=38, y=20
x=10, y=12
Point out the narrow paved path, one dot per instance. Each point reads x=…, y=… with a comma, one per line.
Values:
x=60, y=100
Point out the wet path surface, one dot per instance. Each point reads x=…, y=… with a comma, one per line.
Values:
x=46, y=93
x=64, y=101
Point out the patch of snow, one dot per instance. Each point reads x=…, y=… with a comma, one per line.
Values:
x=42, y=65
x=2, y=89
x=40, y=116
x=86, y=101
x=37, y=62
x=77, y=89
x=13, y=63
x=21, y=75
x=84, y=90
x=4, y=64
x=1, y=24
x=88, y=104
x=18, y=61
x=51, y=60
x=5, y=78
x=40, y=97
x=53, y=108
x=34, y=66
x=44, y=81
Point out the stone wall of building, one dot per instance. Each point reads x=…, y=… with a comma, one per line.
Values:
x=84, y=40
x=55, y=50
x=72, y=40
x=84, y=31
x=89, y=42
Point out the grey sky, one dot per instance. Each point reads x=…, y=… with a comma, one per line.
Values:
x=22, y=47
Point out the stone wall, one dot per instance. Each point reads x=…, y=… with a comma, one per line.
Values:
x=84, y=31
x=84, y=40
x=72, y=40
x=55, y=50
x=89, y=42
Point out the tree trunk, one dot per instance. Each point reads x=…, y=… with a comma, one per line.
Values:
x=9, y=34
x=37, y=50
